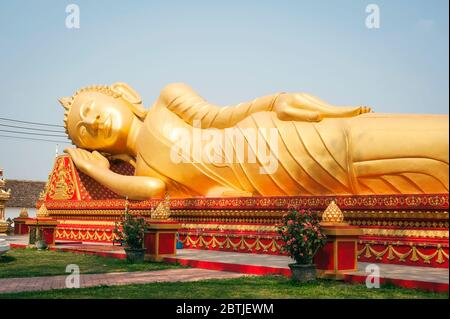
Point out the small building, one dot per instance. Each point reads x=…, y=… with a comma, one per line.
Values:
x=24, y=194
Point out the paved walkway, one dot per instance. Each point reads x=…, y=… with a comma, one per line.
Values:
x=11, y=285
x=391, y=271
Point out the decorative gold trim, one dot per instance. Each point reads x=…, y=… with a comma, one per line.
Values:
x=332, y=214
x=93, y=212
x=383, y=214
x=414, y=253
x=401, y=223
x=220, y=227
x=42, y=212
x=85, y=222
x=162, y=211
x=93, y=235
x=242, y=244
x=406, y=232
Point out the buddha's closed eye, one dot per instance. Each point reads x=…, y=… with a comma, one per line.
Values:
x=87, y=108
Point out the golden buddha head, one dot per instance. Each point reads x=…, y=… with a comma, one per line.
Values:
x=100, y=117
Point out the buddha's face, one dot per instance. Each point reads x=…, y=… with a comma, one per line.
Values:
x=97, y=121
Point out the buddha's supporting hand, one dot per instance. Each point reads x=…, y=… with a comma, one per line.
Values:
x=305, y=107
x=96, y=166
x=88, y=162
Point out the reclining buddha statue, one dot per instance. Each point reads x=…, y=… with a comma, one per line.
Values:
x=284, y=144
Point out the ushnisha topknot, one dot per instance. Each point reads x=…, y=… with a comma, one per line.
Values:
x=117, y=90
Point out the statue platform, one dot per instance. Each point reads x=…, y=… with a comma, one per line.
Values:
x=396, y=229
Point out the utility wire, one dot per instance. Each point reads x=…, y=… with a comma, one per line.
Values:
x=34, y=139
x=31, y=128
x=26, y=122
x=32, y=133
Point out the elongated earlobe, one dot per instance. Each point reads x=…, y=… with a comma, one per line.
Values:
x=131, y=96
x=127, y=92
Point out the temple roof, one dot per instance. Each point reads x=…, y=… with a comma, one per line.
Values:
x=23, y=193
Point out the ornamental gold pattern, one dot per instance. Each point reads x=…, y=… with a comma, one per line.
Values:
x=241, y=244
x=162, y=211
x=85, y=234
x=406, y=233
x=42, y=212
x=414, y=254
x=332, y=214
x=426, y=202
x=255, y=244
x=62, y=185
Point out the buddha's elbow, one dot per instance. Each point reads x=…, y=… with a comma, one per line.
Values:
x=143, y=188
x=155, y=188
x=173, y=90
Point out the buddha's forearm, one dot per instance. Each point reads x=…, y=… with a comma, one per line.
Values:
x=191, y=107
x=135, y=187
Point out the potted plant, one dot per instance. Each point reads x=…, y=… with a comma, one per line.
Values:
x=130, y=231
x=39, y=242
x=302, y=237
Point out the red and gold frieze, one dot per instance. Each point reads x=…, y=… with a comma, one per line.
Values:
x=409, y=229
x=82, y=234
x=360, y=202
x=398, y=252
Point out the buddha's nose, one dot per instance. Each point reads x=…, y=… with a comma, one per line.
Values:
x=94, y=123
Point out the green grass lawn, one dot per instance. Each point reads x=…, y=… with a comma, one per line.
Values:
x=20, y=262
x=31, y=262
x=270, y=287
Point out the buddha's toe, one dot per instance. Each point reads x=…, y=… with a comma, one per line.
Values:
x=365, y=109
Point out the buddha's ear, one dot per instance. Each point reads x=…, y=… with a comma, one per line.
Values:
x=131, y=96
x=127, y=92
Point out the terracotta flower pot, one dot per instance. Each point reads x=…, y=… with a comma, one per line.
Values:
x=303, y=273
x=135, y=255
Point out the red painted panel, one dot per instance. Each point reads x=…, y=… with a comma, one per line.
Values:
x=49, y=235
x=324, y=259
x=346, y=255
x=150, y=243
x=166, y=243
x=24, y=229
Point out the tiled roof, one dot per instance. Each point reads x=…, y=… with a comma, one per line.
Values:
x=23, y=193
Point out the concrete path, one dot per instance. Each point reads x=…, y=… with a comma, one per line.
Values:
x=391, y=271
x=11, y=285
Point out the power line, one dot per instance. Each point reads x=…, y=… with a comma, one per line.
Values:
x=34, y=139
x=26, y=122
x=30, y=133
x=31, y=128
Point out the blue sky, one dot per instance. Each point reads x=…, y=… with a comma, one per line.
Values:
x=229, y=51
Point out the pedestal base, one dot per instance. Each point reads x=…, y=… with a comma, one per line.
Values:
x=3, y=227
x=48, y=227
x=339, y=255
x=160, y=240
x=20, y=226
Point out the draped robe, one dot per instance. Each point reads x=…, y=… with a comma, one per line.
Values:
x=367, y=154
